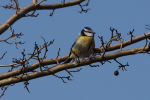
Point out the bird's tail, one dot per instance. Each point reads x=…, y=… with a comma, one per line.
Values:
x=67, y=61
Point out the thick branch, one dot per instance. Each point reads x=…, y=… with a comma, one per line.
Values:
x=61, y=59
x=59, y=68
x=124, y=44
x=33, y=7
x=32, y=67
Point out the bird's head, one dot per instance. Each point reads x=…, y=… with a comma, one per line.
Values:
x=87, y=32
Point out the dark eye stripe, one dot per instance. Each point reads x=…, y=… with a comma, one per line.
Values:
x=88, y=31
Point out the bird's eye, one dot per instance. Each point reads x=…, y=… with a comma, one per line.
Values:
x=88, y=31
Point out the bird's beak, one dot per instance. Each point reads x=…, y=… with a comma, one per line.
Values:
x=94, y=33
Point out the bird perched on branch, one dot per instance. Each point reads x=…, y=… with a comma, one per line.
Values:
x=83, y=46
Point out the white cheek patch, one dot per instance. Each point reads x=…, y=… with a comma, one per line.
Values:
x=88, y=34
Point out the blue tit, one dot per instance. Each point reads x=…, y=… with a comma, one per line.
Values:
x=83, y=46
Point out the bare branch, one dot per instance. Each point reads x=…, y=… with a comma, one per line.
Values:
x=142, y=51
x=32, y=14
x=62, y=78
x=23, y=60
x=13, y=6
x=131, y=33
x=3, y=55
x=51, y=14
x=26, y=86
x=61, y=59
x=34, y=53
x=59, y=68
x=148, y=27
x=82, y=10
x=40, y=2
x=17, y=6
x=5, y=88
x=121, y=65
x=27, y=73
x=13, y=37
x=34, y=1
x=124, y=44
x=94, y=65
x=87, y=3
x=32, y=7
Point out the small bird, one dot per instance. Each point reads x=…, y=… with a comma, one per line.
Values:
x=83, y=46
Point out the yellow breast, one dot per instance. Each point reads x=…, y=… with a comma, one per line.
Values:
x=83, y=47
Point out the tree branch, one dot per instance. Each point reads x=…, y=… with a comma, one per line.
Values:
x=124, y=44
x=61, y=67
x=32, y=67
x=33, y=7
x=61, y=59
x=34, y=1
